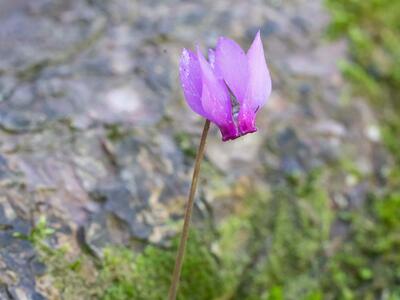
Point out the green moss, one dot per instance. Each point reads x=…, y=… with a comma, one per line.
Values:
x=289, y=231
x=39, y=233
x=184, y=142
x=148, y=275
x=372, y=29
x=115, y=132
x=273, y=248
x=121, y=274
x=367, y=264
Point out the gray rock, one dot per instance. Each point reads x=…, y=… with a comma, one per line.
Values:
x=92, y=119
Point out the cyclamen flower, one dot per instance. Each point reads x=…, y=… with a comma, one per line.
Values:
x=205, y=84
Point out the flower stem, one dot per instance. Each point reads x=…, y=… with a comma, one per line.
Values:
x=188, y=214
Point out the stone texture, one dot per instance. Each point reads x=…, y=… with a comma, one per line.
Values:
x=91, y=114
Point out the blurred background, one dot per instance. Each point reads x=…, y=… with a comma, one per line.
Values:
x=97, y=146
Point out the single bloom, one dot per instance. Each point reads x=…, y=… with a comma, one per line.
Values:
x=230, y=75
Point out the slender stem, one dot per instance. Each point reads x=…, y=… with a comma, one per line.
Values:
x=188, y=214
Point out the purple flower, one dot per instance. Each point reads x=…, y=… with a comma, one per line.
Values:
x=205, y=85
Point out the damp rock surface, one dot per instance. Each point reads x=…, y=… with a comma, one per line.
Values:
x=96, y=137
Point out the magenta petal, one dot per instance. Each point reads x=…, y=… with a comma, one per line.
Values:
x=231, y=61
x=215, y=100
x=190, y=75
x=258, y=87
x=247, y=120
x=211, y=59
x=259, y=84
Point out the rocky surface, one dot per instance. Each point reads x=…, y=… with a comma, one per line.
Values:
x=95, y=135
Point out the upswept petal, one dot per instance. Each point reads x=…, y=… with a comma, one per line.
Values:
x=211, y=59
x=231, y=61
x=205, y=85
x=258, y=87
x=190, y=76
x=215, y=100
x=259, y=84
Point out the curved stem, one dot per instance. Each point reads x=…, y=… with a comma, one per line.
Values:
x=188, y=214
